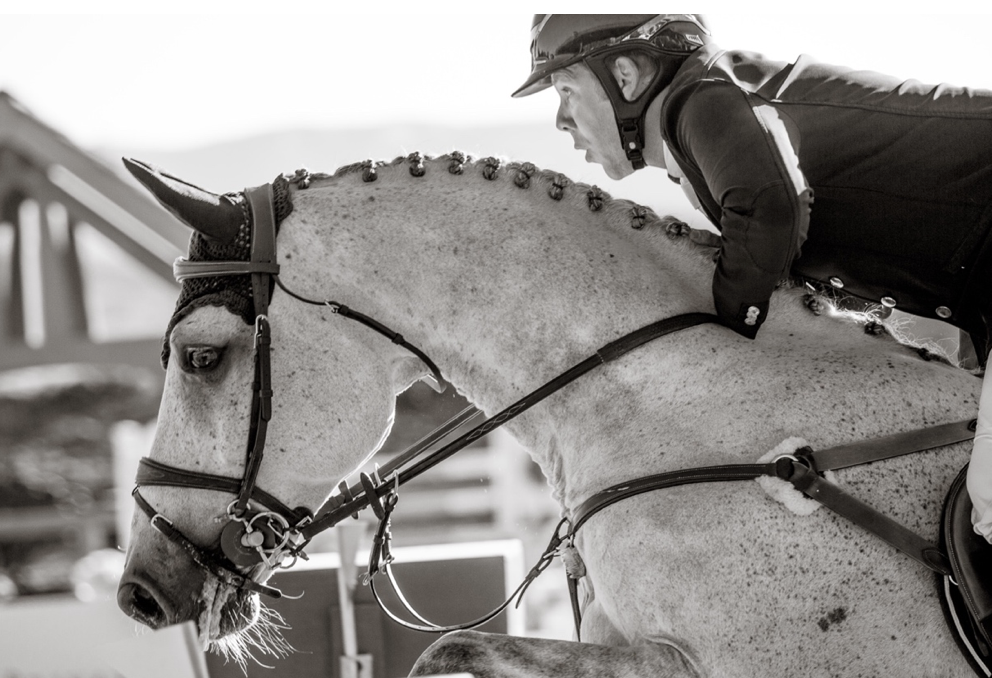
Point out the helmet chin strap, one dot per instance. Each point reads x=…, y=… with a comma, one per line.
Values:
x=630, y=115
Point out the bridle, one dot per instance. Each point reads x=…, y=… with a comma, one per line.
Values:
x=277, y=535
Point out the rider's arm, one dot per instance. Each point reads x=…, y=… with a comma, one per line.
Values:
x=743, y=149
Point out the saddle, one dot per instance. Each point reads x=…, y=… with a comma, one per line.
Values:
x=966, y=598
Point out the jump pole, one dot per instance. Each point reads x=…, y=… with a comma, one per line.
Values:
x=353, y=665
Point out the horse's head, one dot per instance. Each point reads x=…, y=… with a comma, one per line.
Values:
x=192, y=554
x=210, y=531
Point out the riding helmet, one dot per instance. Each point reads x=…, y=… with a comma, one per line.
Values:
x=560, y=40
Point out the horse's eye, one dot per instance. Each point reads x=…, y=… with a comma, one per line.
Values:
x=202, y=358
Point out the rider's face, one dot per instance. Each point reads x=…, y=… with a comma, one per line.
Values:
x=586, y=113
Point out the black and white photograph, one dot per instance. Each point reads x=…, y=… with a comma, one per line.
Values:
x=470, y=342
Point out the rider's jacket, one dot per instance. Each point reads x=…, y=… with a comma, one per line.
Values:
x=851, y=178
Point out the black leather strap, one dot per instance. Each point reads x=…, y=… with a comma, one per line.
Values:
x=660, y=481
x=861, y=514
x=370, y=493
x=380, y=560
x=332, y=513
x=263, y=244
x=813, y=461
x=801, y=471
x=151, y=472
x=803, y=476
x=888, y=447
x=208, y=560
x=394, y=337
x=261, y=412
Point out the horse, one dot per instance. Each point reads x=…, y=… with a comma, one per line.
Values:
x=505, y=275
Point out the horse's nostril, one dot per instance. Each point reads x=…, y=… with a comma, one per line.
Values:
x=140, y=604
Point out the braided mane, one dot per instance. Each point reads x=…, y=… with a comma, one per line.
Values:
x=624, y=213
x=525, y=175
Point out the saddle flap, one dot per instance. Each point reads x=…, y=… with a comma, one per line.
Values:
x=970, y=555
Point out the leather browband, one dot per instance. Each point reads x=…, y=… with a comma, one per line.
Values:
x=183, y=269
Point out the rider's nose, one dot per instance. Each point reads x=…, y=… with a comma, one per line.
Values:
x=563, y=121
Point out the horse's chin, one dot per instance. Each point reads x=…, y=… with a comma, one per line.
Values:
x=225, y=612
x=235, y=625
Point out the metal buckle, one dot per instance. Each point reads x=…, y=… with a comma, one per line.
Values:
x=157, y=516
x=258, y=328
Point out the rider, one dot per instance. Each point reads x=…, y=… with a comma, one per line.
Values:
x=901, y=172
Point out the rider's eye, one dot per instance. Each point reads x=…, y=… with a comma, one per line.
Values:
x=202, y=358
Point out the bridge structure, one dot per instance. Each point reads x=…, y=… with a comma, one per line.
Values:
x=51, y=190
x=85, y=269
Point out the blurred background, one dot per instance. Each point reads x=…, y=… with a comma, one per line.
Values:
x=228, y=99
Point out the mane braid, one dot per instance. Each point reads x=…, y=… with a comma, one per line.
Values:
x=526, y=175
x=618, y=211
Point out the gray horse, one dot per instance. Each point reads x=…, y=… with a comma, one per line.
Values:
x=506, y=276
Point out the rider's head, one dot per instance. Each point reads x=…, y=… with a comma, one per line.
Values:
x=607, y=69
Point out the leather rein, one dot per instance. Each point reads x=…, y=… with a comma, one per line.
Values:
x=278, y=535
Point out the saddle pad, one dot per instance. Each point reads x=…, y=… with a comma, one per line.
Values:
x=969, y=603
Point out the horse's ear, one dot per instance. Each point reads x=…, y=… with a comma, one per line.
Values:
x=407, y=370
x=211, y=215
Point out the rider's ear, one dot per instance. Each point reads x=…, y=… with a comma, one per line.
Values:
x=407, y=370
x=628, y=77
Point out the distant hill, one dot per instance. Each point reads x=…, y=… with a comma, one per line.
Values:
x=231, y=165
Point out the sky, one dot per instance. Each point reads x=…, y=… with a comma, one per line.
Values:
x=209, y=71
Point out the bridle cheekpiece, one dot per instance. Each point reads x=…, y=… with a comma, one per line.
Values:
x=250, y=537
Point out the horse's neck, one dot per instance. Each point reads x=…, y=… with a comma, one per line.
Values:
x=505, y=288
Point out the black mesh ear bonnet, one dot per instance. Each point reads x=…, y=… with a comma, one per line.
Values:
x=230, y=291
